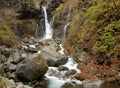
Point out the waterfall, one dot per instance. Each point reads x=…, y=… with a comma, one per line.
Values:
x=67, y=23
x=48, y=29
x=65, y=28
x=43, y=28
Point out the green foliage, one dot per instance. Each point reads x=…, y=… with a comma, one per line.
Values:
x=93, y=13
x=106, y=38
x=60, y=8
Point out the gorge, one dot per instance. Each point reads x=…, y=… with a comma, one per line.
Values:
x=59, y=44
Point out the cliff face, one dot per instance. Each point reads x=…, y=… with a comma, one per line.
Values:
x=94, y=33
x=93, y=30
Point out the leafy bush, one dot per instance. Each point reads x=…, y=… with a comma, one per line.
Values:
x=107, y=38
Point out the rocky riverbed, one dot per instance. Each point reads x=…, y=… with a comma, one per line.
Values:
x=39, y=64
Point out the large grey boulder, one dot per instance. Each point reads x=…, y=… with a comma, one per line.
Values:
x=52, y=57
x=32, y=68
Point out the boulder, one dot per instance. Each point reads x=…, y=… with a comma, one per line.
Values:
x=71, y=85
x=71, y=72
x=6, y=51
x=111, y=84
x=68, y=85
x=61, y=61
x=2, y=58
x=31, y=49
x=62, y=68
x=14, y=58
x=92, y=83
x=52, y=56
x=31, y=68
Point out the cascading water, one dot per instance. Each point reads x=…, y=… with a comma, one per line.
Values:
x=43, y=27
x=56, y=78
x=48, y=29
x=65, y=29
x=67, y=23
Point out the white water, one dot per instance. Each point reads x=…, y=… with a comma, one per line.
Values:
x=48, y=29
x=62, y=49
x=57, y=78
x=36, y=32
x=65, y=28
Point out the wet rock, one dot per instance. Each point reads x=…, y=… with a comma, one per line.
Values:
x=71, y=85
x=50, y=55
x=70, y=72
x=93, y=83
x=50, y=62
x=61, y=61
x=31, y=68
x=68, y=85
x=62, y=68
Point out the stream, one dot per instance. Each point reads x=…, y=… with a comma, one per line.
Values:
x=58, y=78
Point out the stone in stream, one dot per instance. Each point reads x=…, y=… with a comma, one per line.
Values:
x=31, y=68
x=93, y=83
x=52, y=57
x=71, y=85
x=61, y=61
x=62, y=68
x=71, y=72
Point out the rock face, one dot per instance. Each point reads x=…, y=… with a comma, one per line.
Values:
x=31, y=68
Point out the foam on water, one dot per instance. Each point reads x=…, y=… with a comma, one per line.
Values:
x=57, y=78
x=71, y=64
x=62, y=49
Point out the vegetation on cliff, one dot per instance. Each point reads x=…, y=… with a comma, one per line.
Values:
x=7, y=37
x=94, y=31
